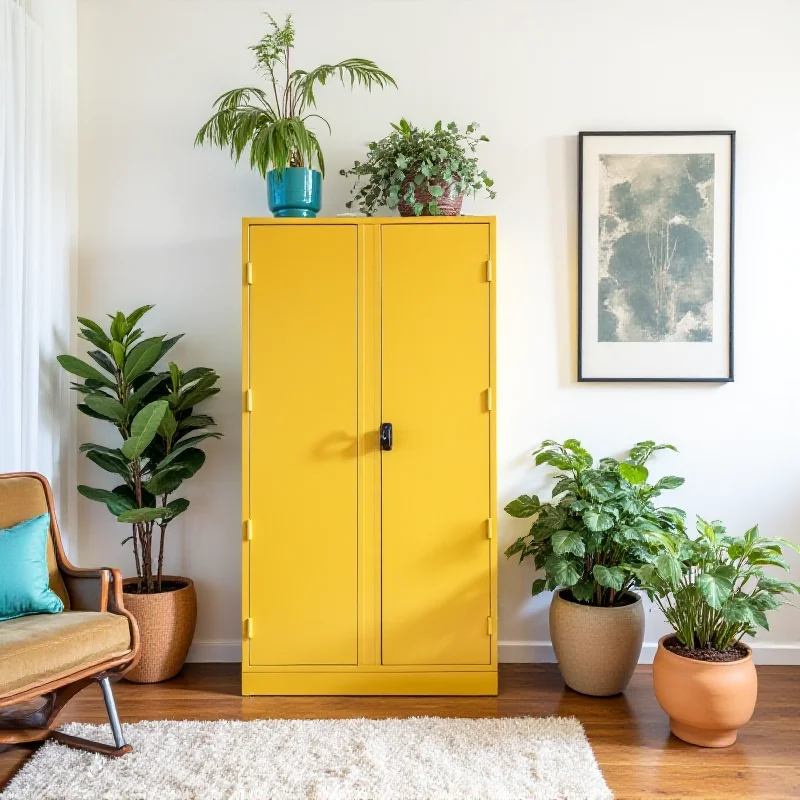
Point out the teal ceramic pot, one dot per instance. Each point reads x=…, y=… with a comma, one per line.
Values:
x=297, y=192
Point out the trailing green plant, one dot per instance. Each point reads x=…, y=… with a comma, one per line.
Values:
x=155, y=414
x=441, y=162
x=274, y=123
x=713, y=589
x=593, y=537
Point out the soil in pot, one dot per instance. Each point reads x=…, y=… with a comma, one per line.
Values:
x=735, y=653
x=166, y=622
x=597, y=648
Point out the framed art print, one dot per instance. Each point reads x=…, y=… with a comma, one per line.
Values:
x=655, y=256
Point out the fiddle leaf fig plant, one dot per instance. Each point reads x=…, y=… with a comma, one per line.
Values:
x=440, y=162
x=274, y=122
x=597, y=530
x=155, y=413
x=713, y=589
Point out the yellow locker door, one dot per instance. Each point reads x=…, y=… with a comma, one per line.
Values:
x=303, y=444
x=435, y=482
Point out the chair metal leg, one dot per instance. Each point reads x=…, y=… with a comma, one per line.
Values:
x=111, y=708
x=120, y=748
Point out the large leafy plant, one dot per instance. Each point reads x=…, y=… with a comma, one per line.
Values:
x=155, y=413
x=274, y=123
x=593, y=537
x=714, y=590
x=441, y=163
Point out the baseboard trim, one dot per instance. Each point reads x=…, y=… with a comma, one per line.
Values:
x=541, y=652
x=510, y=652
x=215, y=652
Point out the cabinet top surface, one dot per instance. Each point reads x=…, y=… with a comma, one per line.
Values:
x=367, y=220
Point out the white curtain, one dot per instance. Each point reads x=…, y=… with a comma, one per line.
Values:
x=38, y=157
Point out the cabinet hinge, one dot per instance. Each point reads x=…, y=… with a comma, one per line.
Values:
x=248, y=628
x=248, y=273
x=248, y=400
x=489, y=399
x=489, y=526
x=248, y=530
x=489, y=271
x=489, y=627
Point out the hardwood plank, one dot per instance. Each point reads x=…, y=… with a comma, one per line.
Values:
x=629, y=733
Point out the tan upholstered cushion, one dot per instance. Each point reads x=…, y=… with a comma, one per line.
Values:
x=43, y=647
x=24, y=498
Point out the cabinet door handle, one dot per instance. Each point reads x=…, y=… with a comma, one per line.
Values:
x=386, y=436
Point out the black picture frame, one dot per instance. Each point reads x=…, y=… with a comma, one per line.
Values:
x=582, y=378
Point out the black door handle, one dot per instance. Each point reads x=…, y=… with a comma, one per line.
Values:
x=386, y=436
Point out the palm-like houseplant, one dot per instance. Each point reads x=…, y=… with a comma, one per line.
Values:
x=589, y=540
x=155, y=413
x=274, y=123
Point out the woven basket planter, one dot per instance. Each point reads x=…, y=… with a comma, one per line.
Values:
x=447, y=207
x=166, y=626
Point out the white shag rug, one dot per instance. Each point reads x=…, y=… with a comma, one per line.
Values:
x=423, y=758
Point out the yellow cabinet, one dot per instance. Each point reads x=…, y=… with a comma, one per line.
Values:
x=369, y=562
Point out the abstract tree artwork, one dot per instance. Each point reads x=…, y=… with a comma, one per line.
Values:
x=656, y=223
x=656, y=240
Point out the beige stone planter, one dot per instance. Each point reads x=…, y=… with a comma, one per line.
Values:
x=597, y=648
x=166, y=626
x=707, y=702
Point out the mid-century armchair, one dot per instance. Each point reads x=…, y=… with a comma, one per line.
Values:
x=54, y=656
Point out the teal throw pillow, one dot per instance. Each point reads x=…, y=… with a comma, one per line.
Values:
x=24, y=580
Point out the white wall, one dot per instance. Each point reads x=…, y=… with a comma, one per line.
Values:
x=160, y=222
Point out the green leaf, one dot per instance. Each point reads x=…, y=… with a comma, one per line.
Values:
x=132, y=403
x=168, y=426
x=110, y=463
x=764, y=602
x=538, y=586
x=175, y=507
x=737, y=611
x=184, y=445
x=669, y=482
x=583, y=591
x=760, y=618
x=175, y=373
x=141, y=515
x=563, y=572
x=597, y=520
x=143, y=356
x=633, y=473
x=106, y=406
x=568, y=542
x=167, y=480
x=190, y=460
x=611, y=577
x=102, y=360
x=118, y=326
x=194, y=374
x=135, y=316
x=195, y=421
x=714, y=589
x=92, y=326
x=144, y=427
x=436, y=190
x=116, y=503
x=669, y=568
x=524, y=506
x=80, y=368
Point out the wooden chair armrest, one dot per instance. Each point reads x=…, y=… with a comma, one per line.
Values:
x=88, y=589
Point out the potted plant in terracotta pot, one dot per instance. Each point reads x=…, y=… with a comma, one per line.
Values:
x=274, y=122
x=419, y=172
x=588, y=542
x=155, y=413
x=713, y=591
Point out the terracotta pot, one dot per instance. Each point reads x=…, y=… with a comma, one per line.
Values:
x=447, y=206
x=166, y=625
x=707, y=702
x=597, y=648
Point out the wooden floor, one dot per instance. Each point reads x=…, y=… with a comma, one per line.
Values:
x=629, y=733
